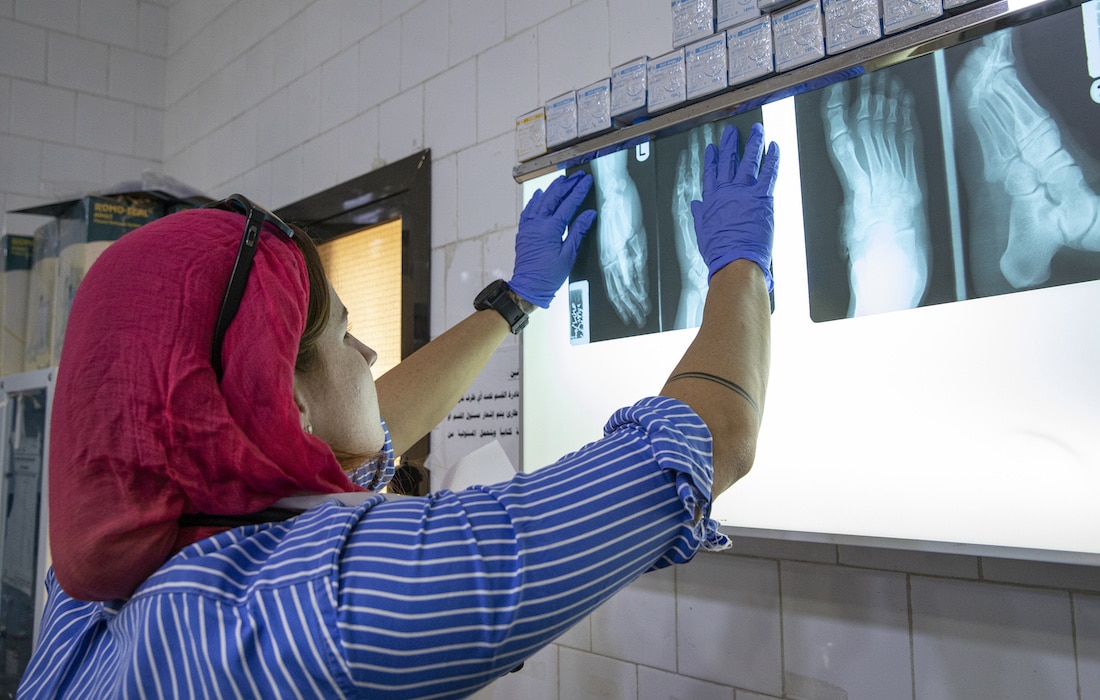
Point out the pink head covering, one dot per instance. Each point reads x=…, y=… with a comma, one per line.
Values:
x=142, y=432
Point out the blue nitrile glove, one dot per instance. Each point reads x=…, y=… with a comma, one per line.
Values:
x=543, y=259
x=735, y=219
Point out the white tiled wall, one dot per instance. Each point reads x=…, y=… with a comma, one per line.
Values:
x=280, y=99
x=82, y=98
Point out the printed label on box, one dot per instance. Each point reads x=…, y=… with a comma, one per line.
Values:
x=799, y=35
x=561, y=119
x=898, y=15
x=706, y=66
x=667, y=81
x=851, y=23
x=691, y=20
x=732, y=12
x=531, y=134
x=750, y=50
x=594, y=108
x=628, y=87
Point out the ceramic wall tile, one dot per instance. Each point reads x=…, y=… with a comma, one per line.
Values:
x=727, y=611
x=572, y=51
x=450, y=110
x=845, y=632
x=654, y=684
x=110, y=21
x=910, y=561
x=537, y=680
x=639, y=622
x=42, y=112
x=787, y=550
x=579, y=636
x=585, y=675
x=58, y=15
x=476, y=25
x=486, y=188
x=339, y=100
x=425, y=42
x=107, y=123
x=506, y=87
x=73, y=63
x=1086, y=615
x=983, y=640
x=136, y=77
x=1039, y=573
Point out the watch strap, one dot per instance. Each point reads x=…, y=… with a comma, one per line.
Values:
x=497, y=296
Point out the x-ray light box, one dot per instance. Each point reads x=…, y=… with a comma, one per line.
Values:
x=935, y=377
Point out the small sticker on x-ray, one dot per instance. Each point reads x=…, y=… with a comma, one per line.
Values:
x=578, y=313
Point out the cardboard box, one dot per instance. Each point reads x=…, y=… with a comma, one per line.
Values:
x=851, y=23
x=63, y=252
x=594, y=108
x=561, y=119
x=730, y=13
x=41, y=285
x=531, y=134
x=15, y=272
x=629, y=91
x=89, y=227
x=773, y=5
x=899, y=15
x=692, y=20
x=799, y=35
x=751, y=53
x=705, y=66
x=667, y=81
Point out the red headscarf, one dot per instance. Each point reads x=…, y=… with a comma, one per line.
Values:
x=141, y=430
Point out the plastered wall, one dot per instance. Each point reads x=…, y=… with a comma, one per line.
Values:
x=282, y=98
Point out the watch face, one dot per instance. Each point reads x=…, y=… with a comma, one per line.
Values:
x=488, y=295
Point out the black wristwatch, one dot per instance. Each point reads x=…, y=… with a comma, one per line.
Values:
x=496, y=296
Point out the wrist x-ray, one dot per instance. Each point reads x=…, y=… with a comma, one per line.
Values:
x=640, y=266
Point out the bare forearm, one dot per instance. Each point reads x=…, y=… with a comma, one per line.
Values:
x=723, y=375
x=418, y=393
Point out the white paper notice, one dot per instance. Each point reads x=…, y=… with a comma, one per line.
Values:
x=489, y=412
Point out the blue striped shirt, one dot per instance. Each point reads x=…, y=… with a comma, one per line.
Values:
x=430, y=597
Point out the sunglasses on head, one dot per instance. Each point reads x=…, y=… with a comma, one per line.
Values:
x=255, y=216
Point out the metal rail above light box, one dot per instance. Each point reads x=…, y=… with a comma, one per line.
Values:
x=940, y=34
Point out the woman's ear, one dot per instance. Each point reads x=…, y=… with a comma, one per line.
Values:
x=303, y=406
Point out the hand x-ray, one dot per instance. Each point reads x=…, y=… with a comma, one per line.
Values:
x=639, y=270
x=971, y=172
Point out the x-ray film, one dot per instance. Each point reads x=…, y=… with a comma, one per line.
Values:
x=937, y=275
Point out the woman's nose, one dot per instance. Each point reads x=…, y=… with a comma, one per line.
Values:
x=368, y=353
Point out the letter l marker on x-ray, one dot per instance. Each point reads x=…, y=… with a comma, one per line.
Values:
x=1090, y=12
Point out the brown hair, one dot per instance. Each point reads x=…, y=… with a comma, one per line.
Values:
x=320, y=302
x=317, y=311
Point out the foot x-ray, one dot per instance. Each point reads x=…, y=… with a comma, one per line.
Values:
x=1027, y=145
x=971, y=172
x=639, y=270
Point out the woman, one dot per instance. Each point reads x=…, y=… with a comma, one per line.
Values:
x=165, y=431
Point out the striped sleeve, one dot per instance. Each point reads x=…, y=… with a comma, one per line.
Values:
x=440, y=595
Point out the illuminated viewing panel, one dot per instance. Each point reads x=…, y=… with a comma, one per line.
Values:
x=937, y=283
